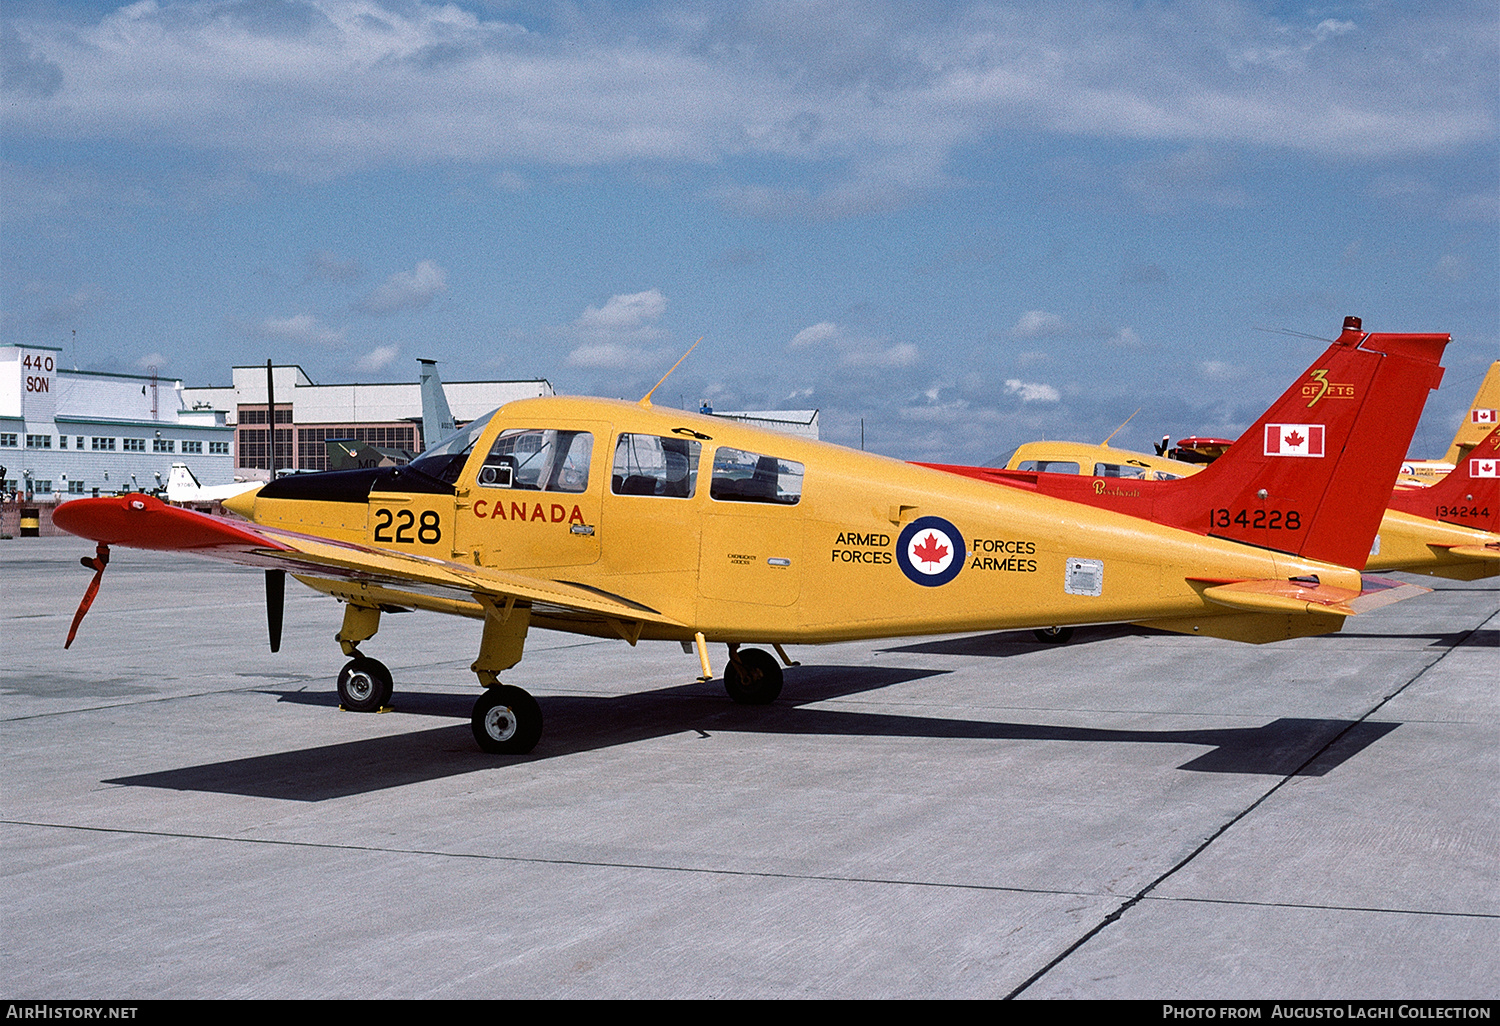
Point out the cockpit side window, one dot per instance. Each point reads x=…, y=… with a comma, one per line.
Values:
x=1118, y=470
x=445, y=460
x=1049, y=466
x=539, y=460
x=751, y=477
x=651, y=465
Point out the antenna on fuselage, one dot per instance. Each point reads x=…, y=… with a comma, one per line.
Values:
x=646, y=399
x=1105, y=444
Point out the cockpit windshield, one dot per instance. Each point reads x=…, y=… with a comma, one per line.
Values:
x=445, y=460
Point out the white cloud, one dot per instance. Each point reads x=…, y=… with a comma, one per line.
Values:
x=624, y=312
x=377, y=359
x=324, y=87
x=152, y=360
x=303, y=328
x=855, y=350
x=818, y=334
x=1218, y=370
x=615, y=336
x=1039, y=324
x=1032, y=392
x=610, y=356
x=407, y=289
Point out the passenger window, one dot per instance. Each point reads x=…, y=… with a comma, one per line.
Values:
x=1049, y=466
x=649, y=465
x=1118, y=470
x=539, y=460
x=750, y=477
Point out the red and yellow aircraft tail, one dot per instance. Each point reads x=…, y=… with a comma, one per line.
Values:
x=1312, y=476
x=1469, y=495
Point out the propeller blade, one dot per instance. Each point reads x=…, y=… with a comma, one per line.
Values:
x=275, y=605
x=96, y=563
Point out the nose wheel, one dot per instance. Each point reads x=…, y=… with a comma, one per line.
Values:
x=506, y=721
x=365, y=685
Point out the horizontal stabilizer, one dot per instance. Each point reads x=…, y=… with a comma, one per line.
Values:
x=1282, y=596
x=1487, y=552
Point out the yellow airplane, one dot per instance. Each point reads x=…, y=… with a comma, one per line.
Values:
x=617, y=519
x=1484, y=415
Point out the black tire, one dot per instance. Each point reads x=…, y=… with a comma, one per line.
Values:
x=506, y=721
x=365, y=685
x=756, y=680
x=1053, y=635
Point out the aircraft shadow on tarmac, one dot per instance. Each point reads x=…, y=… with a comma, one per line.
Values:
x=1303, y=747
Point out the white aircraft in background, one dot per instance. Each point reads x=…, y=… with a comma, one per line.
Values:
x=183, y=488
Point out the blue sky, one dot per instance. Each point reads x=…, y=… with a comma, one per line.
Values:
x=967, y=226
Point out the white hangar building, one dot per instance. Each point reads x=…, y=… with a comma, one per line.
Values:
x=69, y=432
x=309, y=414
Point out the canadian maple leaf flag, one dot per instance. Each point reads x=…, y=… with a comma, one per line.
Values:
x=1482, y=416
x=1294, y=439
x=1484, y=468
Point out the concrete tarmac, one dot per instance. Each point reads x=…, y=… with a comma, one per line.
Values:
x=1132, y=815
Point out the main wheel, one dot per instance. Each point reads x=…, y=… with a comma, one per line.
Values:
x=756, y=680
x=1053, y=635
x=365, y=685
x=506, y=721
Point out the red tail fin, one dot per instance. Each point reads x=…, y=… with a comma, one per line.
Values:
x=1311, y=477
x=1314, y=474
x=1468, y=495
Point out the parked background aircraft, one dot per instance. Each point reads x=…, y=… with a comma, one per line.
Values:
x=437, y=424
x=183, y=487
x=615, y=519
x=1484, y=415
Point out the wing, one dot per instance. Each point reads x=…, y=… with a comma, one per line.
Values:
x=144, y=522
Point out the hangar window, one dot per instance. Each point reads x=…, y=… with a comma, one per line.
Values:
x=539, y=460
x=38, y=441
x=649, y=465
x=8, y=438
x=191, y=448
x=162, y=444
x=1049, y=466
x=214, y=448
x=751, y=477
x=134, y=444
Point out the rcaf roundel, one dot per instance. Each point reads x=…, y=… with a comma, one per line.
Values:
x=930, y=551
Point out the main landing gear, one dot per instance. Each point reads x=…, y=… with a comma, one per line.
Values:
x=506, y=720
x=752, y=677
x=1053, y=635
